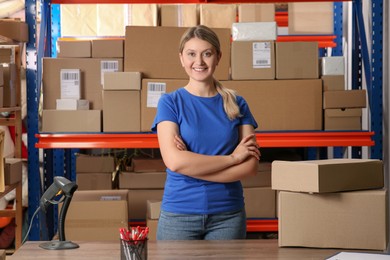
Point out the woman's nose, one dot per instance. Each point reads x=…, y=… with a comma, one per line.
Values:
x=199, y=59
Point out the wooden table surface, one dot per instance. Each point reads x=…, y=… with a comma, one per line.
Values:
x=183, y=250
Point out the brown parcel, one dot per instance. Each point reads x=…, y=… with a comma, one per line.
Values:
x=331, y=175
x=353, y=220
x=345, y=99
x=343, y=119
x=71, y=120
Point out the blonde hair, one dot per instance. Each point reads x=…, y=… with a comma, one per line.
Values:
x=228, y=95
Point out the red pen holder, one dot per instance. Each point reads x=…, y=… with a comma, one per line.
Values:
x=134, y=249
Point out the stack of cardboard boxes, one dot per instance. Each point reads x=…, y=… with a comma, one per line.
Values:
x=335, y=203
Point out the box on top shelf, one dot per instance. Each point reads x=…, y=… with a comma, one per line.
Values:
x=351, y=220
x=154, y=51
x=345, y=99
x=256, y=12
x=180, y=15
x=297, y=60
x=343, y=119
x=111, y=19
x=108, y=48
x=218, y=15
x=255, y=31
x=73, y=48
x=253, y=60
x=78, y=20
x=143, y=14
x=310, y=18
x=331, y=175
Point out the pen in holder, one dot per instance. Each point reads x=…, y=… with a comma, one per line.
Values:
x=134, y=243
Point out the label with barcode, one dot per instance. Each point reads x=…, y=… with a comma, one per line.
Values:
x=108, y=66
x=261, y=52
x=70, y=84
x=154, y=92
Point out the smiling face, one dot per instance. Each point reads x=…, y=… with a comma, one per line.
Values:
x=199, y=59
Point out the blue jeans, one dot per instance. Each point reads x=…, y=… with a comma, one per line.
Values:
x=222, y=226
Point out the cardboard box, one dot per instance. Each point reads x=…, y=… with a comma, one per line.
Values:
x=260, y=202
x=143, y=14
x=108, y=48
x=14, y=30
x=96, y=215
x=351, y=220
x=261, y=179
x=93, y=164
x=9, y=88
x=79, y=20
x=94, y=181
x=154, y=52
x=121, y=110
x=333, y=82
x=72, y=104
x=297, y=60
x=256, y=13
x=122, y=81
x=91, y=78
x=153, y=209
x=137, y=201
x=152, y=224
x=180, y=15
x=144, y=180
x=74, y=49
x=144, y=164
x=343, y=119
x=282, y=104
x=253, y=60
x=5, y=55
x=255, y=31
x=218, y=15
x=152, y=90
x=71, y=120
x=12, y=170
x=310, y=18
x=331, y=175
x=345, y=99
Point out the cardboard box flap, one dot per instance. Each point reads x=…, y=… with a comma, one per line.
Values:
x=352, y=112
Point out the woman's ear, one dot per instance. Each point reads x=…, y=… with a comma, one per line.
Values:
x=219, y=57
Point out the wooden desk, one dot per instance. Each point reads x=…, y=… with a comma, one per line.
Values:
x=171, y=250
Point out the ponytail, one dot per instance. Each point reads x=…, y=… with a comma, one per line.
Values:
x=229, y=100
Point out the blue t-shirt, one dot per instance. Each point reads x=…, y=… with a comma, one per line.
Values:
x=205, y=129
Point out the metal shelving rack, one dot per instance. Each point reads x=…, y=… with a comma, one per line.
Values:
x=59, y=147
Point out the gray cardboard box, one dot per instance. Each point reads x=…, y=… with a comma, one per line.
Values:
x=331, y=175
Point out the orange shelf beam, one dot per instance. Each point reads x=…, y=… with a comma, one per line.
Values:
x=262, y=225
x=146, y=140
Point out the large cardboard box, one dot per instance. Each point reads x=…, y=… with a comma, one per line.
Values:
x=343, y=119
x=96, y=215
x=253, y=60
x=260, y=202
x=152, y=224
x=297, y=60
x=180, y=15
x=142, y=14
x=73, y=49
x=331, y=175
x=310, y=18
x=142, y=180
x=137, y=201
x=147, y=164
x=345, y=99
x=282, y=104
x=256, y=13
x=71, y=120
x=151, y=91
x=218, y=15
x=91, y=78
x=91, y=164
x=108, y=48
x=12, y=170
x=122, y=81
x=261, y=179
x=154, y=51
x=351, y=220
x=121, y=110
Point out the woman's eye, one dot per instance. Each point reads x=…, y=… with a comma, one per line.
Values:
x=207, y=54
x=191, y=54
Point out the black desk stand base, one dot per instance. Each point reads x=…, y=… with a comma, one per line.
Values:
x=59, y=245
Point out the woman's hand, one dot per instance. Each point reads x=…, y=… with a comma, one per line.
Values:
x=179, y=143
x=246, y=148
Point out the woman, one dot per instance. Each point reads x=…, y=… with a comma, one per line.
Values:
x=206, y=138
